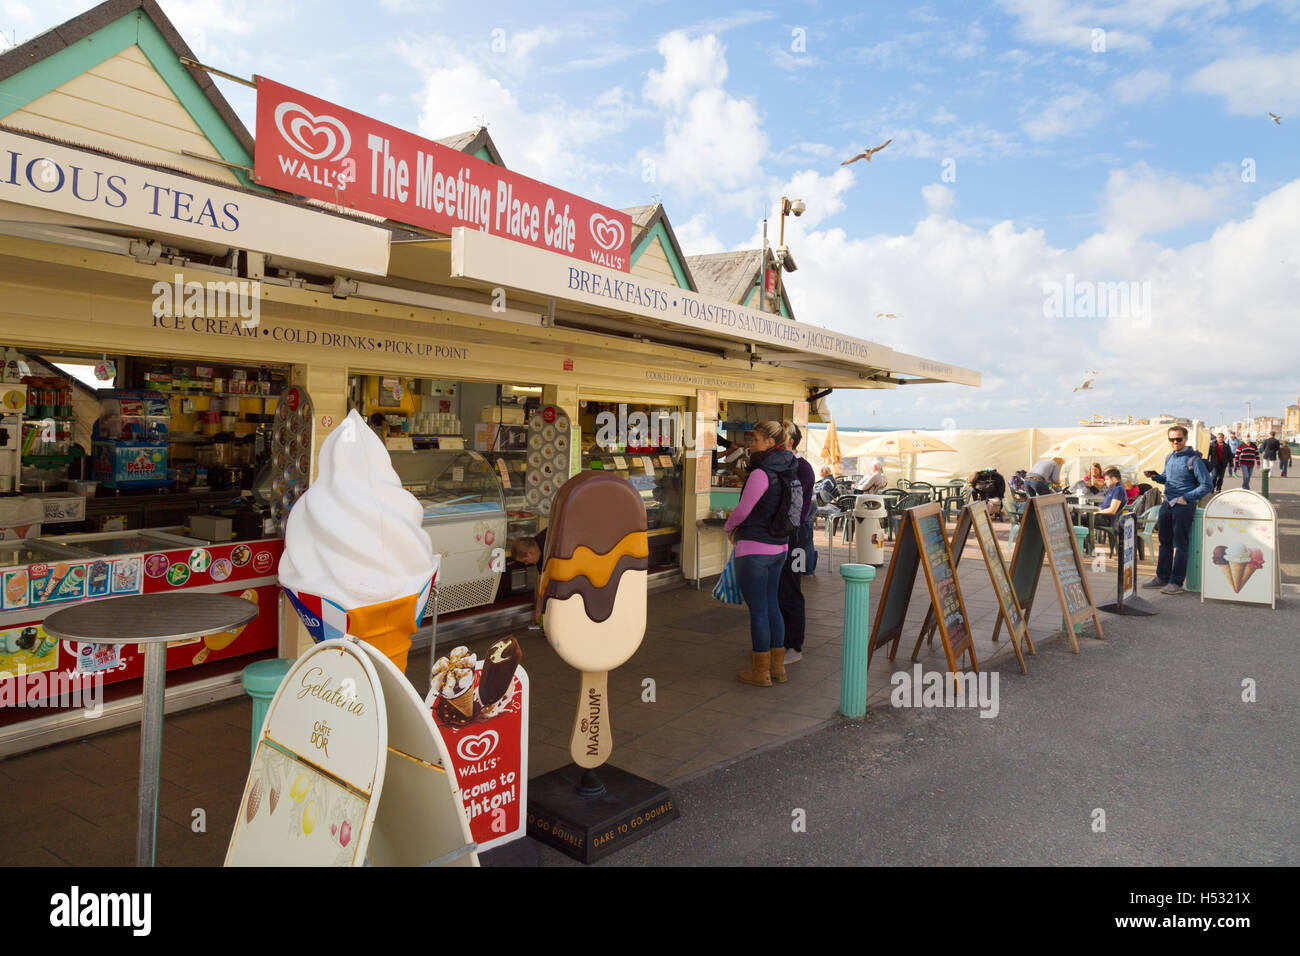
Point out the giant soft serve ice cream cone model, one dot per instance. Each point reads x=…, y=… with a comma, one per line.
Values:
x=356, y=559
x=592, y=593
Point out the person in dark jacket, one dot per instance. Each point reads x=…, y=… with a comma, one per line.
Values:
x=1219, y=458
x=1186, y=481
x=760, y=554
x=790, y=590
x=1284, y=457
x=1268, y=450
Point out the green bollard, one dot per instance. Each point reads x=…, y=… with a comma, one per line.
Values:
x=1080, y=535
x=1193, y=580
x=1263, y=482
x=857, y=637
x=261, y=680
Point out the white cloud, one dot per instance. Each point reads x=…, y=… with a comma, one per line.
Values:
x=976, y=298
x=696, y=238
x=1066, y=115
x=1256, y=84
x=1127, y=23
x=713, y=142
x=541, y=136
x=1145, y=201
x=816, y=149
x=689, y=65
x=1141, y=86
x=939, y=199
x=941, y=117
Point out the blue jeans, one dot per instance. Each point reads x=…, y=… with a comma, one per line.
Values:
x=759, y=576
x=1246, y=471
x=1174, y=525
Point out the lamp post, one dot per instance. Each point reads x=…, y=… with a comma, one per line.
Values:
x=788, y=206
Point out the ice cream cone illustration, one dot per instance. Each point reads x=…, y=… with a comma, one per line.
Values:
x=1239, y=563
x=356, y=557
x=593, y=592
x=452, y=681
x=1230, y=575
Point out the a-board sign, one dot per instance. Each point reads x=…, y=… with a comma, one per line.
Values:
x=921, y=542
x=349, y=767
x=975, y=517
x=488, y=745
x=1239, y=549
x=1046, y=532
x=1126, y=599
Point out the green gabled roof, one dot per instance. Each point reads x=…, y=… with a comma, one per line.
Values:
x=650, y=223
x=46, y=62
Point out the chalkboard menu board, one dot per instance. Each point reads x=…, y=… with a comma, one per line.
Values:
x=975, y=516
x=920, y=535
x=1046, y=532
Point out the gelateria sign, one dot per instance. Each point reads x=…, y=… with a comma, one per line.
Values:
x=36, y=173
x=314, y=148
x=488, y=259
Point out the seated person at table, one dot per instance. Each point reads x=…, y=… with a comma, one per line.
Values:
x=1131, y=490
x=1116, y=498
x=824, y=490
x=1096, y=479
x=874, y=483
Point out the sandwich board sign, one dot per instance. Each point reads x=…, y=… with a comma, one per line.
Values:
x=975, y=517
x=1126, y=588
x=1047, y=532
x=1239, y=549
x=349, y=770
x=921, y=542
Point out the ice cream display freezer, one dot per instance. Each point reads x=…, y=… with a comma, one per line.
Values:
x=465, y=519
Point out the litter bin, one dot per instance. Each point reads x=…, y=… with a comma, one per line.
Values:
x=869, y=517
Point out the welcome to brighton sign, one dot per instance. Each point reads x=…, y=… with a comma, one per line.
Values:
x=317, y=149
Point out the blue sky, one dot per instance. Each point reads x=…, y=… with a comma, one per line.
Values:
x=1035, y=145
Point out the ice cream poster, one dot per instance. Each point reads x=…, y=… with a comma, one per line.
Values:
x=480, y=707
x=1239, y=549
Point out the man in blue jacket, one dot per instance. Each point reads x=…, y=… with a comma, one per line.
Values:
x=1186, y=481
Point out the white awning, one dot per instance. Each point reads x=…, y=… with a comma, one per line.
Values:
x=494, y=260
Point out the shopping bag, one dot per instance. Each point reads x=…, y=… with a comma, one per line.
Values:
x=727, y=590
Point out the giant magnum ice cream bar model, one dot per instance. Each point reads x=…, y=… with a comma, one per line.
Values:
x=592, y=594
x=356, y=559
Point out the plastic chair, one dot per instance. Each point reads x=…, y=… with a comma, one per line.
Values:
x=895, y=514
x=953, y=504
x=1013, y=506
x=1146, y=532
x=922, y=488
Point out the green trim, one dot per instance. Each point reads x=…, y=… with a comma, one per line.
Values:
x=159, y=52
x=135, y=29
x=483, y=154
x=661, y=233
x=52, y=72
x=785, y=307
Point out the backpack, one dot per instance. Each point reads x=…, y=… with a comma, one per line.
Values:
x=789, y=508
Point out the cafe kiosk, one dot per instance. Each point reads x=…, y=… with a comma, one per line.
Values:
x=350, y=771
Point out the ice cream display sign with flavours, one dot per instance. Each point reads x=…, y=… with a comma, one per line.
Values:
x=480, y=706
x=356, y=557
x=349, y=769
x=1239, y=549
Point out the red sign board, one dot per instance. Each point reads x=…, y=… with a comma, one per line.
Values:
x=769, y=281
x=317, y=149
x=490, y=757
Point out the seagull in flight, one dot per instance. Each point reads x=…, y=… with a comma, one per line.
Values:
x=1275, y=118
x=867, y=153
x=1086, y=385
x=885, y=315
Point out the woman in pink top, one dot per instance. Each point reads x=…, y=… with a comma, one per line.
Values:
x=760, y=552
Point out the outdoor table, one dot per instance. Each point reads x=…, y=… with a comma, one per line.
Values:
x=151, y=620
x=1085, y=516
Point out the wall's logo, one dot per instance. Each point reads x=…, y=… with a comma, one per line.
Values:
x=316, y=137
x=477, y=746
x=608, y=233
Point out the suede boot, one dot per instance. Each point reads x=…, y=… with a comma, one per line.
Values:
x=759, y=673
x=778, y=665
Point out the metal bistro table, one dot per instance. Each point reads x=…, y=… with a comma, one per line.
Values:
x=151, y=620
